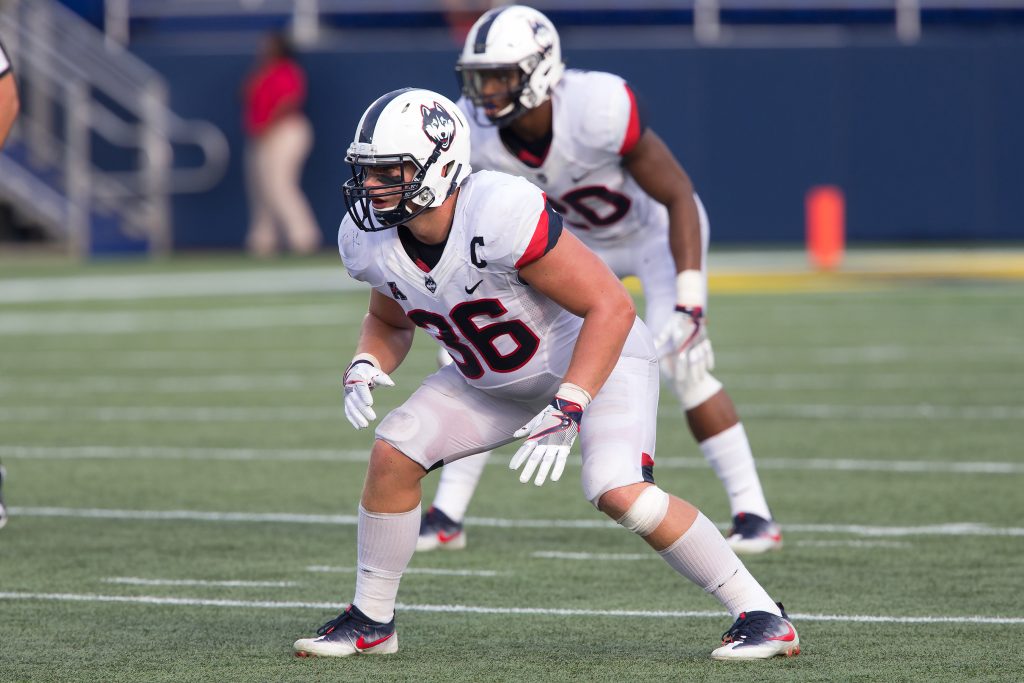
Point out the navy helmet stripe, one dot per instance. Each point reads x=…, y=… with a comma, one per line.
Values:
x=554, y=226
x=480, y=42
x=369, y=122
x=5, y=53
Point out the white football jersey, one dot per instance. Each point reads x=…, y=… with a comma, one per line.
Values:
x=5, y=65
x=595, y=123
x=505, y=337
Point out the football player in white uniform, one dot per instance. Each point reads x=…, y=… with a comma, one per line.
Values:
x=9, y=105
x=579, y=136
x=545, y=340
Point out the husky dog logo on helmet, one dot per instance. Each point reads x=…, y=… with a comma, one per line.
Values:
x=542, y=36
x=438, y=125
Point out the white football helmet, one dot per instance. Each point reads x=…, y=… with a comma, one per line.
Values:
x=407, y=125
x=507, y=39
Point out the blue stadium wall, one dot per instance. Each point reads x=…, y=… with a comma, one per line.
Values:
x=926, y=141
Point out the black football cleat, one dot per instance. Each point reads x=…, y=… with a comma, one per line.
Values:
x=759, y=635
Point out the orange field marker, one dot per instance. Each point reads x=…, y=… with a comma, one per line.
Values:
x=825, y=209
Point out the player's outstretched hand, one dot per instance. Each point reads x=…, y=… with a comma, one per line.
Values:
x=360, y=379
x=549, y=437
x=685, y=342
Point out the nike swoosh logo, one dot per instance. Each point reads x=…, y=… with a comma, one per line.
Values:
x=445, y=538
x=578, y=178
x=787, y=636
x=470, y=290
x=363, y=645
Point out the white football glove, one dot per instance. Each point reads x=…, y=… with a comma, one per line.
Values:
x=684, y=341
x=361, y=377
x=550, y=435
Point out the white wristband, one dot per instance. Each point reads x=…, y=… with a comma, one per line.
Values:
x=368, y=357
x=691, y=292
x=575, y=393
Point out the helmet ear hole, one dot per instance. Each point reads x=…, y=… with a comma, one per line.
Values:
x=447, y=168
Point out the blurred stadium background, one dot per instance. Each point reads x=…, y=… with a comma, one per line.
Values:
x=912, y=107
x=182, y=481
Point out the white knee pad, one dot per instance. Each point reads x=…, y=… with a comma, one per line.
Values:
x=692, y=394
x=646, y=512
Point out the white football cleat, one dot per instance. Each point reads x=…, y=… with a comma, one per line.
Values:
x=350, y=633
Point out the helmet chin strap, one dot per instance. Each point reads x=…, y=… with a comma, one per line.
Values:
x=391, y=217
x=401, y=212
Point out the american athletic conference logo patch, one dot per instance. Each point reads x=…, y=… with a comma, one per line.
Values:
x=438, y=125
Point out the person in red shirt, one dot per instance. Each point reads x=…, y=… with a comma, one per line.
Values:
x=279, y=140
x=9, y=105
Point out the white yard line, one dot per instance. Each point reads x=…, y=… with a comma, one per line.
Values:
x=950, y=529
x=922, y=411
x=50, y=387
x=852, y=544
x=141, y=286
x=138, y=581
x=170, y=453
x=171, y=414
x=186, y=515
x=829, y=355
x=857, y=465
x=594, y=557
x=184, y=384
x=174, y=360
x=47, y=413
x=324, y=569
x=197, y=320
x=637, y=557
x=501, y=611
x=99, y=452
x=76, y=386
x=865, y=381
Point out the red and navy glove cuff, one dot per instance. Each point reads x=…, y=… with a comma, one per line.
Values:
x=571, y=399
x=571, y=409
x=695, y=312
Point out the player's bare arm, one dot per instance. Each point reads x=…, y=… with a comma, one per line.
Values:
x=660, y=175
x=386, y=333
x=9, y=105
x=384, y=341
x=576, y=279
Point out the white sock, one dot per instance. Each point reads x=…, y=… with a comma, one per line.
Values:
x=702, y=555
x=729, y=455
x=386, y=543
x=457, y=484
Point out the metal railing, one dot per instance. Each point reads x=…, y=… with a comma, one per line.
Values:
x=77, y=86
x=305, y=15
x=907, y=14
